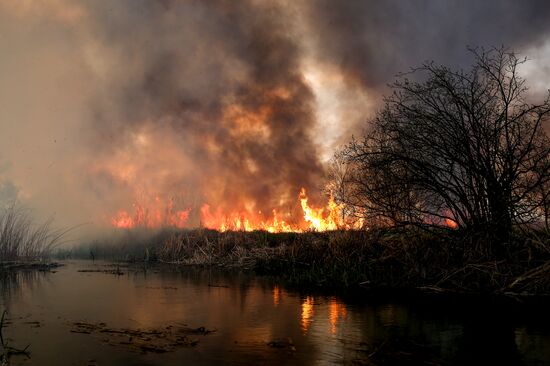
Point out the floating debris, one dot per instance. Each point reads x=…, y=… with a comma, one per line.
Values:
x=107, y=268
x=33, y=265
x=282, y=343
x=34, y=323
x=117, y=271
x=158, y=340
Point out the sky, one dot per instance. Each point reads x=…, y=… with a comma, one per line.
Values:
x=105, y=105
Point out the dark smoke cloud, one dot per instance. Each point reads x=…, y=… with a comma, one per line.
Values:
x=232, y=103
x=222, y=80
x=374, y=40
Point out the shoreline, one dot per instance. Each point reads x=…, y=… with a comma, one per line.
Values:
x=122, y=268
x=43, y=266
x=399, y=259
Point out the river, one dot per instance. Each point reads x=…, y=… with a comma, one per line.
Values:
x=80, y=315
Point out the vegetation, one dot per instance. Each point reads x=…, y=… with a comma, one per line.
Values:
x=453, y=181
x=23, y=241
x=412, y=258
x=453, y=148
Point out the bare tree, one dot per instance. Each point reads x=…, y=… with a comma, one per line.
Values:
x=464, y=149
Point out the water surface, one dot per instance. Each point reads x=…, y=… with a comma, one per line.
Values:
x=248, y=313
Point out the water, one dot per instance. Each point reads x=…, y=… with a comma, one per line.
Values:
x=249, y=312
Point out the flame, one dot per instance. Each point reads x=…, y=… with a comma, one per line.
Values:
x=314, y=219
x=324, y=218
x=243, y=221
x=153, y=217
x=451, y=223
x=317, y=218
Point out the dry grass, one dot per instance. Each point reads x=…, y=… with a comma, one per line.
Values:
x=208, y=247
x=22, y=240
x=394, y=258
x=404, y=258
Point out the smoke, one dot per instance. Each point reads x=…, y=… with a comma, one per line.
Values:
x=211, y=106
x=374, y=40
x=104, y=104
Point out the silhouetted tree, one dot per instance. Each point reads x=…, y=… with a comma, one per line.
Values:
x=451, y=147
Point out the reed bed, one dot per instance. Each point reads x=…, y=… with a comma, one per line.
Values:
x=395, y=258
x=21, y=240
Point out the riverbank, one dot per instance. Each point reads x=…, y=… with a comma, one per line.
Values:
x=441, y=262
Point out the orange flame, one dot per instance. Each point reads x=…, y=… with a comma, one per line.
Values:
x=314, y=219
x=243, y=221
x=151, y=217
x=317, y=219
x=450, y=220
x=451, y=223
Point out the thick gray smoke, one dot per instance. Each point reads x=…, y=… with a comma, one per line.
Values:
x=236, y=104
x=373, y=40
x=214, y=98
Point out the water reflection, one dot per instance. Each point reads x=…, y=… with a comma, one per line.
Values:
x=337, y=312
x=249, y=313
x=15, y=283
x=276, y=295
x=331, y=311
x=307, y=313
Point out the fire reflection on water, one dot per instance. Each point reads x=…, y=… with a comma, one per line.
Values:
x=249, y=314
x=332, y=312
x=276, y=295
x=338, y=311
x=307, y=313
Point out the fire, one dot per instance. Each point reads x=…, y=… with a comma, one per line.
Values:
x=314, y=218
x=244, y=221
x=451, y=223
x=154, y=217
x=449, y=220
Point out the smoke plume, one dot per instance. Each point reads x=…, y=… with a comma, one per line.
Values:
x=105, y=105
